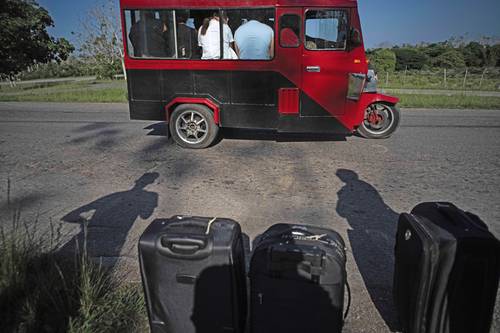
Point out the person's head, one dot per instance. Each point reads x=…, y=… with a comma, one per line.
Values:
x=182, y=16
x=204, y=26
x=146, y=179
x=346, y=175
x=257, y=15
x=222, y=15
x=148, y=15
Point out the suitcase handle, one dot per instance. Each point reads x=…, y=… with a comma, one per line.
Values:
x=454, y=213
x=192, y=248
x=194, y=223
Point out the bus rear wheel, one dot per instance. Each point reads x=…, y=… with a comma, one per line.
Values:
x=193, y=126
x=380, y=122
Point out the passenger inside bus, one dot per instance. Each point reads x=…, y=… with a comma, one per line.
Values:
x=255, y=40
x=209, y=38
x=290, y=30
x=148, y=36
x=187, y=37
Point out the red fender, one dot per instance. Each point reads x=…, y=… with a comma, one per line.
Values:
x=368, y=98
x=193, y=100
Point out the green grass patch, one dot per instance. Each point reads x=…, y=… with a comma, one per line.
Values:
x=80, y=92
x=112, y=95
x=44, y=291
x=449, y=102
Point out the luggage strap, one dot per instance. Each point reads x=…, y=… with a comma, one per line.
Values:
x=209, y=225
x=348, y=306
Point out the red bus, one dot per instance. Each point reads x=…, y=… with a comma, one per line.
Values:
x=293, y=66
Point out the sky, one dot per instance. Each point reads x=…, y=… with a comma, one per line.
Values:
x=383, y=21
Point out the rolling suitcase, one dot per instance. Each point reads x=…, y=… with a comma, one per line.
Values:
x=297, y=279
x=447, y=266
x=193, y=275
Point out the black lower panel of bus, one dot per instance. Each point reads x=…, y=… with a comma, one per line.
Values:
x=248, y=99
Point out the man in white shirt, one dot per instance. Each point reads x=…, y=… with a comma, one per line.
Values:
x=209, y=38
x=255, y=40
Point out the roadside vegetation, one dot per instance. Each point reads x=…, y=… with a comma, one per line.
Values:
x=90, y=91
x=448, y=101
x=44, y=291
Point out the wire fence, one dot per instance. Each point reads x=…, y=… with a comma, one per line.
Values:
x=485, y=79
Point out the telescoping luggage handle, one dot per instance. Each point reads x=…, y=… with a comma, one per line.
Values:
x=187, y=246
x=456, y=214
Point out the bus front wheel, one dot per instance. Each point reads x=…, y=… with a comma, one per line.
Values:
x=380, y=122
x=193, y=126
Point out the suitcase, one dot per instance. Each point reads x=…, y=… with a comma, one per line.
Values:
x=446, y=271
x=297, y=279
x=193, y=275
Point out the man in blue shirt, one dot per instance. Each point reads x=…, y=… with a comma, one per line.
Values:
x=254, y=40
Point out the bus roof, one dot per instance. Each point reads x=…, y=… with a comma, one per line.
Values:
x=233, y=3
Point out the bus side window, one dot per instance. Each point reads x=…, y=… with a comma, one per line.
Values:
x=150, y=33
x=289, y=30
x=326, y=29
x=253, y=31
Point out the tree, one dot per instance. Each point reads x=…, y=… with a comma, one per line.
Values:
x=494, y=55
x=24, y=40
x=383, y=60
x=101, y=42
x=410, y=58
x=474, y=54
x=436, y=49
x=449, y=59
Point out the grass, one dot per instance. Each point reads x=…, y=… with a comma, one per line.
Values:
x=434, y=79
x=42, y=291
x=448, y=102
x=83, y=92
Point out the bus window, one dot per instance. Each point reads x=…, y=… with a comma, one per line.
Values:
x=150, y=33
x=289, y=30
x=253, y=32
x=326, y=29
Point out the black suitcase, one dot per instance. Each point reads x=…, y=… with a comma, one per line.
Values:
x=193, y=275
x=297, y=279
x=447, y=266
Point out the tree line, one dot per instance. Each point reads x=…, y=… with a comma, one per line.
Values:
x=448, y=54
x=29, y=52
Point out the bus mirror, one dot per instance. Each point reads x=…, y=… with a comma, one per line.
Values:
x=355, y=38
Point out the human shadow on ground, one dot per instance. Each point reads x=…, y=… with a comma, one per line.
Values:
x=105, y=222
x=373, y=227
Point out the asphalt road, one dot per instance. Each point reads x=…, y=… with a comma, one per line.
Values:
x=68, y=162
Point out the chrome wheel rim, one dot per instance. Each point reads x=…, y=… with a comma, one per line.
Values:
x=191, y=127
x=379, y=118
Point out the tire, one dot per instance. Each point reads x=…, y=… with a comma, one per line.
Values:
x=193, y=126
x=380, y=122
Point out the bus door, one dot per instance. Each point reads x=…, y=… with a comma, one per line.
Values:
x=324, y=62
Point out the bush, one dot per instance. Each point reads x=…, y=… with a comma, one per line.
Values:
x=383, y=60
x=450, y=59
x=42, y=291
x=410, y=58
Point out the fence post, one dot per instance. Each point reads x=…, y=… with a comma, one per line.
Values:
x=404, y=76
x=387, y=80
x=482, y=78
x=465, y=77
x=445, y=83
